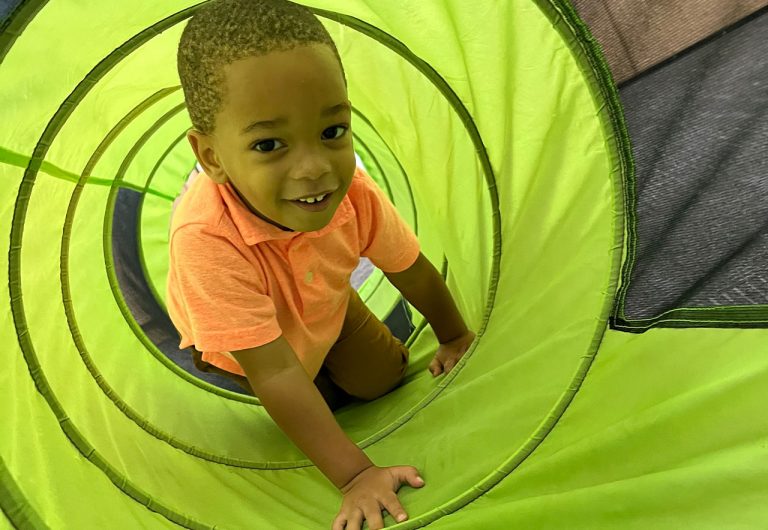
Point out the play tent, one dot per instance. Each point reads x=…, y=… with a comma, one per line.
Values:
x=496, y=129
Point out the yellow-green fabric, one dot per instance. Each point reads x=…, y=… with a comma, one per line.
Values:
x=498, y=133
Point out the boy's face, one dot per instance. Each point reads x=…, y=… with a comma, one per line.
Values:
x=283, y=133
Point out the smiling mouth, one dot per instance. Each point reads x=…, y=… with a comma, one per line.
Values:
x=318, y=203
x=316, y=198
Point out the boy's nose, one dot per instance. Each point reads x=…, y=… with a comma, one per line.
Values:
x=310, y=165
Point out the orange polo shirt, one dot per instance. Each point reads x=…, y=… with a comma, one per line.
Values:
x=237, y=282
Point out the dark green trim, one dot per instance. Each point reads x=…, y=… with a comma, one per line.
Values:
x=745, y=317
x=14, y=505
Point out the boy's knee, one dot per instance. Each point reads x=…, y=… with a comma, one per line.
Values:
x=381, y=380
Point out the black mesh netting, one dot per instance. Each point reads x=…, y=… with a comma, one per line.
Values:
x=699, y=128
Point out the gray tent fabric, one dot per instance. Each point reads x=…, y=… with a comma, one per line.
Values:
x=638, y=34
x=699, y=127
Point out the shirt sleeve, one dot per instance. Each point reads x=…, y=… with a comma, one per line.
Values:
x=218, y=301
x=385, y=238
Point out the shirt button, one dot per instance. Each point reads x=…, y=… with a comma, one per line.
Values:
x=308, y=277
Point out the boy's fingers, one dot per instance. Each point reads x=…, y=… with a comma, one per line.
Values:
x=395, y=509
x=354, y=521
x=435, y=367
x=373, y=517
x=339, y=522
x=410, y=475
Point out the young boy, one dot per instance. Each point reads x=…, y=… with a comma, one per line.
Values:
x=263, y=244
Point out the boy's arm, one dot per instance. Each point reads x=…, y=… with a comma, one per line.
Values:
x=425, y=289
x=296, y=405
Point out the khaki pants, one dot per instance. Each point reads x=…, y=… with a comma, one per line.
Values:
x=366, y=361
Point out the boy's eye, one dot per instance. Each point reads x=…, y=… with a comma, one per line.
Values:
x=267, y=146
x=335, y=132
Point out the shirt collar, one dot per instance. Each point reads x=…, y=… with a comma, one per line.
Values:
x=255, y=230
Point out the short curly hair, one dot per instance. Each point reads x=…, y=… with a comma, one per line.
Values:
x=224, y=31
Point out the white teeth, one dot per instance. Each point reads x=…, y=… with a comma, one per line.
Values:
x=311, y=200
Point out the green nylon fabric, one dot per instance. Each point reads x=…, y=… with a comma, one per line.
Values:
x=496, y=133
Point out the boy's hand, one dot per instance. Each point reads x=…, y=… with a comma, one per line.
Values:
x=448, y=354
x=372, y=490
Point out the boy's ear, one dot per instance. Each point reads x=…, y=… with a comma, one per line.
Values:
x=202, y=145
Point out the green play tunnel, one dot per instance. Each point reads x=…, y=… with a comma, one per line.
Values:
x=495, y=129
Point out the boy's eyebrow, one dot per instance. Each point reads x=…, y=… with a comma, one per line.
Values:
x=271, y=124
